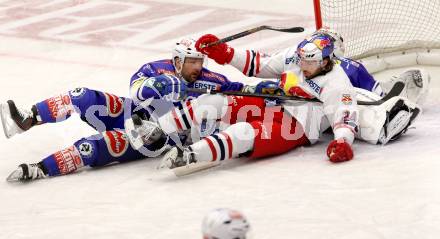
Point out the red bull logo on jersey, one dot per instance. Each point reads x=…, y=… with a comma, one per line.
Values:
x=346, y=99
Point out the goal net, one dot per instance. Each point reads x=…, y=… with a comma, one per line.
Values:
x=375, y=27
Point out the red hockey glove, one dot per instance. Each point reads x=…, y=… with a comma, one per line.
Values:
x=221, y=53
x=339, y=151
x=297, y=91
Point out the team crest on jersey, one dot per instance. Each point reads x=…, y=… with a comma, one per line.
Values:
x=117, y=143
x=86, y=149
x=77, y=92
x=114, y=105
x=346, y=99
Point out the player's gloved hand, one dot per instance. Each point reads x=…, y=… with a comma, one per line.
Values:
x=289, y=83
x=339, y=151
x=221, y=53
x=263, y=87
x=175, y=91
x=164, y=86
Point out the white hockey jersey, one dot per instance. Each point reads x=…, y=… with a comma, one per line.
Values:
x=339, y=109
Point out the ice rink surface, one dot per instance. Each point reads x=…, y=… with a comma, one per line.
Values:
x=49, y=47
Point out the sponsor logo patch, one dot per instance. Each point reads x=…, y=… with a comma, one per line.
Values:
x=114, y=105
x=68, y=160
x=60, y=106
x=315, y=87
x=117, y=143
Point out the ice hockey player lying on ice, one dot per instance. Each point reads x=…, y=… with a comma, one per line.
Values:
x=258, y=64
x=106, y=112
x=255, y=127
x=104, y=150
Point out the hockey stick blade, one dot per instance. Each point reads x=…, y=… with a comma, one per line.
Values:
x=253, y=30
x=395, y=91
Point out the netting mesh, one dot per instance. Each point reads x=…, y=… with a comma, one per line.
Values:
x=371, y=27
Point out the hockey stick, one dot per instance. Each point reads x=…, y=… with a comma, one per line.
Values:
x=253, y=30
x=395, y=91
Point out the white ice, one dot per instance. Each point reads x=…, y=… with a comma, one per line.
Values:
x=385, y=192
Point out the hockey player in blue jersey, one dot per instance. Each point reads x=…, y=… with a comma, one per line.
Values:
x=105, y=112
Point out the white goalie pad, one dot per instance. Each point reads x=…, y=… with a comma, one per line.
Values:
x=375, y=124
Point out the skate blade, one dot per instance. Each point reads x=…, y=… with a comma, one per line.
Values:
x=3, y=109
x=7, y=126
x=14, y=176
x=194, y=167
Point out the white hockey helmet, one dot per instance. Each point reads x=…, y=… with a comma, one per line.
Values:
x=224, y=223
x=185, y=47
x=338, y=41
x=315, y=48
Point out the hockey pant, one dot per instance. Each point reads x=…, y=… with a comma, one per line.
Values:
x=254, y=129
x=102, y=111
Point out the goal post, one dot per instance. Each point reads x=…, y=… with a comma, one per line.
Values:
x=385, y=34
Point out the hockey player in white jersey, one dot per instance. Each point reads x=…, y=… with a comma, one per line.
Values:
x=262, y=65
x=293, y=124
x=224, y=223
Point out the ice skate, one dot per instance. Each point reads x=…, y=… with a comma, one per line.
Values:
x=26, y=172
x=16, y=120
x=177, y=157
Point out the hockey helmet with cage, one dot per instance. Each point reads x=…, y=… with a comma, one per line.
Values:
x=225, y=223
x=338, y=41
x=185, y=47
x=315, y=48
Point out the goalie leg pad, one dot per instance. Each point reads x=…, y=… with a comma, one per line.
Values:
x=388, y=121
x=416, y=82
